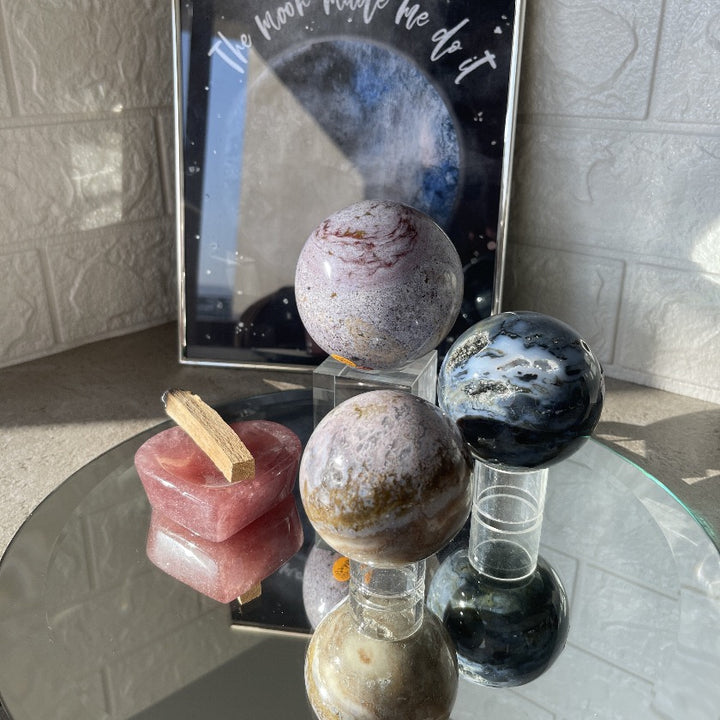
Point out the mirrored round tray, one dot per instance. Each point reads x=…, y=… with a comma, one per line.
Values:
x=90, y=628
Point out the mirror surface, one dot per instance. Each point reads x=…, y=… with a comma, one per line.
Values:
x=91, y=629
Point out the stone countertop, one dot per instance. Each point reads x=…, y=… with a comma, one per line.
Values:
x=60, y=412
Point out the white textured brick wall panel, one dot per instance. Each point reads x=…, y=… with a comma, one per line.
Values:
x=582, y=290
x=25, y=326
x=687, y=85
x=5, y=107
x=120, y=617
x=669, y=328
x=166, y=140
x=77, y=176
x=616, y=614
x=688, y=670
x=111, y=563
x=198, y=646
x=647, y=193
x=568, y=694
x=590, y=58
x=89, y=55
x=507, y=704
x=122, y=279
x=601, y=544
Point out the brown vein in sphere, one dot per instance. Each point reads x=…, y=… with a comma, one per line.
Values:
x=364, y=242
x=387, y=494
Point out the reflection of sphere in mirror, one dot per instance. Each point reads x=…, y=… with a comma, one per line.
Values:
x=271, y=322
x=524, y=388
x=385, y=478
x=349, y=674
x=378, y=284
x=505, y=633
x=479, y=275
x=326, y=578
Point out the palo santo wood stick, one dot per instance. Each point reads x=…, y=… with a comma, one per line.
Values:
x=252, y=594
x=211, y=433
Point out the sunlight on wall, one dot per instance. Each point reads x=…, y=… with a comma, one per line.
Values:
x=706, y=250
x=97, y=177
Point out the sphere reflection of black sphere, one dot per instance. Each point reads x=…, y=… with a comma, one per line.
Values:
x=525, y=389
x=505, y=634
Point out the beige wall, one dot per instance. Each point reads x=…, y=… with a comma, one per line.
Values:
x=615, y=215
x=86, y=230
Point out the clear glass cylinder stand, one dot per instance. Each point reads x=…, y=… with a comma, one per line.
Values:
x=387, y=603
x=506, y=523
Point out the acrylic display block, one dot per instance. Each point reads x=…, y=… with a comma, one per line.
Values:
x=506, y=522
x=335, y=382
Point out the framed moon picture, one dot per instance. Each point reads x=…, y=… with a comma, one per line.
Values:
x=287, y=112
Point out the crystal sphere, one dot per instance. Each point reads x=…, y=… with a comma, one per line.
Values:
x=349, y=675
x=385, y=478
x=524, y=388
x=378, y=285
x=325, y=582
x=505, y=633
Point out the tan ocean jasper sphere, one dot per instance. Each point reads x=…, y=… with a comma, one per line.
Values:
x=385, y=478
x=350, y=676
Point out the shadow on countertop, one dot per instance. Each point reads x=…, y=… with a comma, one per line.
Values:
x=123, y=378
x=674, y=438
x=682, y=452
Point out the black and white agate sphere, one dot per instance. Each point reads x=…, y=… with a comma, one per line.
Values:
x=525, y=389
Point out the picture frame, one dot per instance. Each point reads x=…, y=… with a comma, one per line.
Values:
x=286, y=112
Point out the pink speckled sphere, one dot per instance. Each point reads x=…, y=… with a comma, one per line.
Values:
x=378, y=285
x=385, y=478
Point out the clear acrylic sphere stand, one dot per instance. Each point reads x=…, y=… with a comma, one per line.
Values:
x=506, y=521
